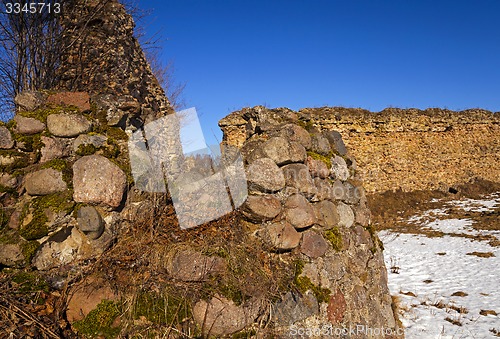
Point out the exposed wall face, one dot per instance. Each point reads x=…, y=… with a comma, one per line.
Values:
x=409, y=149
x=415, y=150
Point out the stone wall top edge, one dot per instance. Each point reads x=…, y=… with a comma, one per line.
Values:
x=345, y=114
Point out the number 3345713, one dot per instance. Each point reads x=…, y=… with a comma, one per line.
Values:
x=34, y=7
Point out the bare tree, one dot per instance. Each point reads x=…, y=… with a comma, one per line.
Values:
x=29, y=49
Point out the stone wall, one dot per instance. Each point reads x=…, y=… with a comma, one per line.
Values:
x=411, y=149
x=299, y=253
x=102, y=56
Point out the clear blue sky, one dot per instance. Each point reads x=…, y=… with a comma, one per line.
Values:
x=297, y=53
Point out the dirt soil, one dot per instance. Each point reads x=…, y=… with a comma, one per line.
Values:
x=392, y=209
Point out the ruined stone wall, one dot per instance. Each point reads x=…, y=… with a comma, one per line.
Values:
x=414, y=150
x=410, y=149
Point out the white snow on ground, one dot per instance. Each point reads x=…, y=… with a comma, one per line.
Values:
x=435, y=268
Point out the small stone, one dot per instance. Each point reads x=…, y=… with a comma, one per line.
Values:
x=298, y=176
x=295, y=307
x=265, y=176
x=352, y=194
x=299, y=212
x=90, y=222
x=317, y=168
x=28, y=126
x=320, y=144
x=363, y=215
x=96, y=180
x=11, y=255
x=326, y=214
x=29, y=100
x=7, y=180
x=261, y=208
x=313, y=245
x=220, y=316
x=283, y=236
x=339, y=169
x=67, y=125
x=188, y=265
x=44, y=182
x=346, y=215
x=336, y=141
x=6, y=141
x=78, y=99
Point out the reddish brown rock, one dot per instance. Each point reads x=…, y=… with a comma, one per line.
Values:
x=336, y=307
x=299, y=211
x=78, y=99
x=260, y=208
x=282, y=236
x=313, y=245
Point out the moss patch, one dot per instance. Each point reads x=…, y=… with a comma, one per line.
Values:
x=303, y=284
x=4, y=219
x=98, y=323
x=375, y=239
x=335, y=238
x=30, y=282
x=86, y=149
x=161, y=308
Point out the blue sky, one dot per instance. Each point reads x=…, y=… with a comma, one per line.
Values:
x=354, y=53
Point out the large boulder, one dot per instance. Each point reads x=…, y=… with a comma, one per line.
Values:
x=96, y=180
x=298, y=176
x=43, y=182
x=6, y=140
x=258, y=208
x=26, y=125
x=265, y=176
x=283, y=151
x=220, y=316
x=54, y=148
x=67, y=125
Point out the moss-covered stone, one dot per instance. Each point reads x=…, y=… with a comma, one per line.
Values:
x=42, y=113
x=62, y=166
x=13, y=160
x=335, y=238
x=303, y=284
x=326, y=159
x=4, y=218
x=37, y=227
x=29, y=248
x=30, y=143
x=99, y=322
